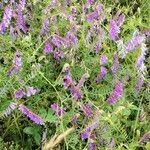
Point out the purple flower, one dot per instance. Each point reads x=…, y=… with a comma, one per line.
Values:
x=48, y=47
x=21, y=5
x=76, y=92
x=31, y=91
x=139, y=84
x=115, y=25
x=67, y=81
x=86, y=133
x=59, y=41
x=2, y=28
x=94, y=15
x=89, y=2
x=34, y=117
x=21, y=22
x=140, y=60
x=13, y=33
x=17, y=59
x=114, y=30
x=19, y=94
x=103, y=59
x=8, y=13
x=147, y=32
x=145, y=138
x=92, y=145
x=87, y=110
x=71, y=38
x=59, y=55
x=7, y=16
x=135, y=41
x=12, y=106
x=114, y=96
x=45, y=27
x=102, y=74
x=58, y=110
x=97, y=47
x=13, y=70
x=83, y=79
x=74, y=119
x=119, y=18
x=115, y=64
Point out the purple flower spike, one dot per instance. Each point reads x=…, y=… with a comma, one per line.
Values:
x=76, y=92
x=85, y=134
x=114, y=30
x=19, y=94
x=135, y=41
x=116, y=93
x=72, y=38
x=21, y=22
x=67, y=81
x=12, y=106
x=31, y=91
x=74, y=119
x=8, y=13
x=13, y=33
x=34, y=117
x=59, y=41
x=145, y=138
x=147, y=32
x=92, y=146
x=7, y=16
x=13, y=70
x=17, y=59
x=102, y=74
x=139, y=84
x=58, y=110
x=115, y=25
x=59, y=55
x=97, y=47
x=94, y=15
x=89, y=2
x=48, y=47
x=103, y=59
x=87, y=110
x=115, y=64
x=83, y=79
x=21, y=5
x=45, y=27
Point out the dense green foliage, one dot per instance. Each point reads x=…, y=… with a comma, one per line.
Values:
x=120, y=121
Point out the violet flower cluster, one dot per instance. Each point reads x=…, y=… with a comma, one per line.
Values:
x=102, y=74
x=59, y=111
x=8, y=14
x=145, y=138
x=75, y=89
x=135, y=41
x=34, y=117
x=115, y=65
x=115, y=25
x=87, y=109
x=17, y=64
x=28, y=92
x=116, y=94
x=12, y=106
x=95, y=14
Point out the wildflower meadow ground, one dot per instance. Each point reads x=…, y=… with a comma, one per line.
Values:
x=74, y=75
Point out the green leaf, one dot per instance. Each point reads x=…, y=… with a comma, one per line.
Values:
x=29, y=130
